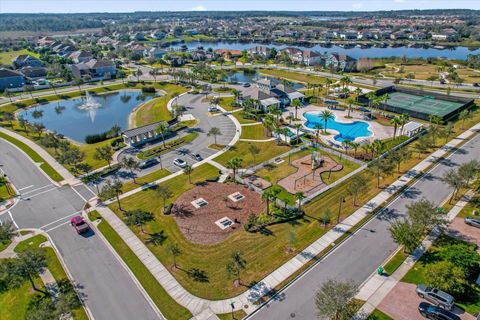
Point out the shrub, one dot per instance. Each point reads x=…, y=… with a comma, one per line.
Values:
x=167, y=209
x=148, y=90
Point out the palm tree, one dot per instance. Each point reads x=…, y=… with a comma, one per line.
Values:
x=297, y=127
x=174, y=250
x=317, y=128
x=164, y=193
x=371, y=96
x=269, y=123
x=162, y=128
x=214, y=131
x=377, y=147
x=296, y=104
x=385, y=99
x=395, y=121
x=267, y=195
x=463, y=116
x=299, y=196
x=325, y=116
x=354, y=145
x=454, y=180
x=346, y=145
x=358, y=92
x=350, y=101
x=188, y=170
x=328, y=83
x=236, y=264
x=404, y=118
x=234, y=164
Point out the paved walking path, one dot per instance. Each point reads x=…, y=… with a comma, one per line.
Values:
x=254, y=140
x=69, y=178
x=375, y=289
x=197, y=305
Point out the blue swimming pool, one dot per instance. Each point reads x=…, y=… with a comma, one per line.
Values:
x=346, y=131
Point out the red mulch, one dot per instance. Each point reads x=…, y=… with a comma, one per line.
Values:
x=198, y=225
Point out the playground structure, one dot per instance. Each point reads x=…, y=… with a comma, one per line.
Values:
x=308, y=177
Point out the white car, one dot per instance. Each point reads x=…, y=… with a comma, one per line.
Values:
x=179, y=163
x=212, y=109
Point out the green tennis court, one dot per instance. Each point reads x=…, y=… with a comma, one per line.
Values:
x=428, y=105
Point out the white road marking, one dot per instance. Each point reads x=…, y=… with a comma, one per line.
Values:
x=11, y=218
x=40, y=193
x=26, y=187
x=60, y=225
x=70, y=215
x=36, y=189
x=79, y=194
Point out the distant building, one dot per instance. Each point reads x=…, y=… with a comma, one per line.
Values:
x=259, y=50
x=154, y=53
x=10, y=79
x=105, y=40
x=158, y=35
x=34, y=72
x=228, y=54
x=95, y=69
x=26, y=60
x=81, y=56
x=268, y=92
x=307, y=57
x=446, y=35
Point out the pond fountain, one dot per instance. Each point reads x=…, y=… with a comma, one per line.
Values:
x=91, y=106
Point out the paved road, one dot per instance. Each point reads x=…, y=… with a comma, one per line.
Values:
x=102, y=281
x=359, y=256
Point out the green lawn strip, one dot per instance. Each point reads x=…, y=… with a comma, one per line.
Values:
x=242, y=120
x=417, y=274
x=237, y=315
x=472, y=206
x=54, y=265
x=157, y=111
x=7, y=57
x=169, y=146
x=168, y=306
x=395, y=262
x=295, y=76
x=256, y=132
x=226, y=103
x=4, y=244
x=14, y=302
x=89, y=150
x=4, y=195
x=153, y=176
x=34, y=156
x=378, y=315
x=268, y=150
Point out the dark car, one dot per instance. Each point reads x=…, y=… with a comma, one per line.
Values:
x=148, y=163
x=196, y=156
x=246, y=85
x=435, y=296
x=474, y=222
x=430, y=311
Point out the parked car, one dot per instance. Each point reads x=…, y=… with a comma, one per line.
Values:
x=196, y=156
x=179, y=163
x=435, y=296
x=80, y=225
x=212, y=109
x=148, y=163
x=430, y=311
x=474, y=222
x=246, y=85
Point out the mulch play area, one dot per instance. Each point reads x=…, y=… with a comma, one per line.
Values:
x=210, y=212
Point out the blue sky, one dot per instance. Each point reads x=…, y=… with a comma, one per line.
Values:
x=35, y=6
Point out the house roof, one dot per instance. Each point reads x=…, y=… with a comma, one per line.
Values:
x=33, y=72
x=94, y=63
x=412, y=126
x=141, y=130
x=7, y=73
x=295, y=95
x=269, y=101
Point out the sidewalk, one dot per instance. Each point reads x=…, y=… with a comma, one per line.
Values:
x=196, y=305
x=68, y=177
x=378, y=286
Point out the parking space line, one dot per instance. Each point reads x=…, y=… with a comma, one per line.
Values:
x=70, y=215
x=11, y=218
x=26, y=187
x=40, y=193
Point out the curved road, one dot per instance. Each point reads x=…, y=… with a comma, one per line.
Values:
x=367, y=249
x=101, y=280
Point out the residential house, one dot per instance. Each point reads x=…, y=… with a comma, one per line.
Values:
x=94, y=69
x=229, y=54
x=446, y=35
x=26, y=60
x=45, y=42
x=417, y=36
x=259, y=50
x=137, y=48
x=139, y=36
x=64, y=49
x=154, y=53
x=348, y=35
x=340, y=62
x=158, y=35
x=268, y=92
x=105, y=41
x=33, y=73
x=312, y=58
x=307, y=57
x=10, y=79
x=80, y=56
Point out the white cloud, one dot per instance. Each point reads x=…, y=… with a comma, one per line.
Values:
x=199, y=8
x=399, y=1
x=357, y=5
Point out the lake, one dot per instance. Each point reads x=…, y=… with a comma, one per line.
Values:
x=250, y=76
x=77, y=118
x=459, y=53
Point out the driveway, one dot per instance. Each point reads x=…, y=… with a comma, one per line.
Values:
x=461, y=230
x=402, y=304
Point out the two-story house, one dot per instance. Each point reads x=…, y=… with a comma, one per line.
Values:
x=10, y=79
x=26, y=60
x=340, y=62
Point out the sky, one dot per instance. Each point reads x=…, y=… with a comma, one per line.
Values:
x=72, y=6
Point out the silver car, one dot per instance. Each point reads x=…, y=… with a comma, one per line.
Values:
x=474, y=222
x=435, y=296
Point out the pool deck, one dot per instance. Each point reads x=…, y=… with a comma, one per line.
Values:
x=379, y=131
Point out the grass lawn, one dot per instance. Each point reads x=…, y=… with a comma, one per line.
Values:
x=473, y=205
x=237, y=315
x=268, y=150
x=378, y=315
x=242, y=120
x=145, y=179
x=89, y=150
x=156, y=110
x=395, y=262
x=4, y=193
x=226, y=103
x=13, y=303
x=169, y=307
x=34, y=156
x=54, y=265
x=417, y=274
x=4, y=244
x=294, y=76
x=7, y=57
x=256, y=132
